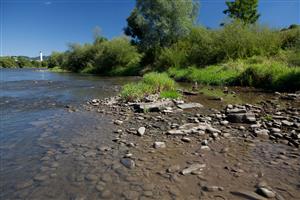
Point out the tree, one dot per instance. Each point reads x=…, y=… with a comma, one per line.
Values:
x=160, y=23
x=244, y=10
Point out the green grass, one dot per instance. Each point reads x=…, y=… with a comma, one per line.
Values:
x=212, y=75
x=258, y=72
x=170, y=94
x=151, y=83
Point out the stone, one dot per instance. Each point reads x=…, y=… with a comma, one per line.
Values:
x=189, y=105
x=248, y=195
x=275, y=130
x=224, y=122
x=173, y=168
x=186, y=139
x=152, y=107
x=159, y=145
x=129, y=163
x=241, y=117
x=40, y=177
x=118, y=122
x=287, y=123
x=23, y=185
x=263, y=134
x=141, y=131
x=91, y=177
x=191, y=168
x=266, y=192
x=212, y=188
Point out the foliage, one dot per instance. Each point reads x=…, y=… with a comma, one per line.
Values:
x=204, y=47
x=117, y=56
x=20, y=61
x=7, y=62
x=244, y=10
x=160, y=23
x=55, y=59
x=114, y=57
x=290, y=37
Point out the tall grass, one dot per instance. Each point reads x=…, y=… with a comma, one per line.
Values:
x=151, y=83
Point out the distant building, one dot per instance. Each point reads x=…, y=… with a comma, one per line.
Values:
x=41, y=56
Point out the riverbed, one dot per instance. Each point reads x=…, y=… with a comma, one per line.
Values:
x=54, y=147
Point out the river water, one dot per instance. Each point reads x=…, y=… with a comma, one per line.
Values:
x=35, y=119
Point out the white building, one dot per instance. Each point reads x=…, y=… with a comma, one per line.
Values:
x=41, y=56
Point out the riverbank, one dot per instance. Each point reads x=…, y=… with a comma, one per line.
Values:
x=190, y=151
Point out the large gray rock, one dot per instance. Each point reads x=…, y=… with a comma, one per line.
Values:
x=189, y=105
x=192, y=168
x=152, y=107
x=241, y=117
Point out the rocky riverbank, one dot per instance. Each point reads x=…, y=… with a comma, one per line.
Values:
x=189, y=151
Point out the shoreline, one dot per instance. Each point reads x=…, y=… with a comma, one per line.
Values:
x=194, y=153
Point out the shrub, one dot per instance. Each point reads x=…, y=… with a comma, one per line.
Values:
x=7, y=62
x=117, y=56
x=272, y=76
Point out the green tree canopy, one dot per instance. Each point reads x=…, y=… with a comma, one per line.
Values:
x=155, y=23
x=244, y=10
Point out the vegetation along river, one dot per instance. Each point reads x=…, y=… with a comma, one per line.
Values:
x=53, y=145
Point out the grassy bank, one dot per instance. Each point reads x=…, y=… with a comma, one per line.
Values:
x=57, y=69
x=256, y=72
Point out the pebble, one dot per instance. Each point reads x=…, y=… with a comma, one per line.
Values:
x=266, y=192
x=118, y=122
x=186, y=139
x=40, y=177
x=191, y=168
x=159, y=145
x=130, y=164
x=212, y=188
x=91, y=177
x=141, y=131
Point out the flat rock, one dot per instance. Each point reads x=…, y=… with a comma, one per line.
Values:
x=189, y=105
x=191, y=168
x=263, y=134
x=159, y=145
x=152, y=107
x=248, y=195
x=130, y=164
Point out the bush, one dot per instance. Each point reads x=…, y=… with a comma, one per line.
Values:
x=207, y=47
x=7, y=62
x=118, y=56
x=271, y=76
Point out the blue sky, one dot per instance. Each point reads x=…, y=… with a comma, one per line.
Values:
x=28, y=26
